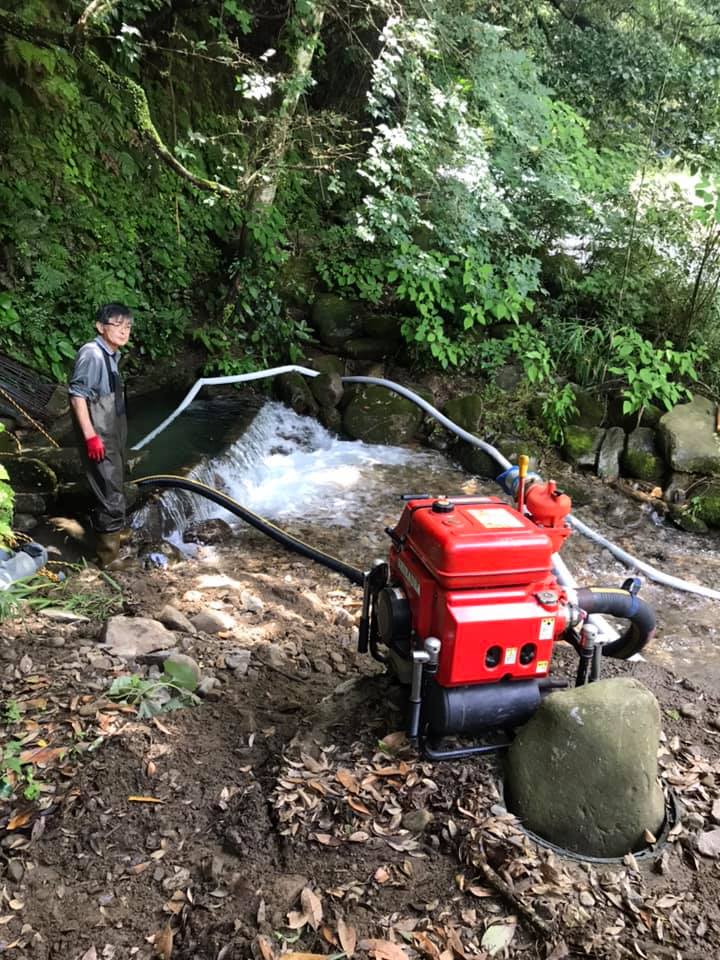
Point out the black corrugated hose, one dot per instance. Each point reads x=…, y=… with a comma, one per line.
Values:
x=620, y=603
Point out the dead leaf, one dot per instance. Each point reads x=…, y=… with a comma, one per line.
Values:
x=347, y=780
x=296, y=919
x=478, y=891
x=164, y=942
x=381, y=875
x=90, y=954
x=19, y=819
x=304, y=956
x=312, y=906
x=145, y=800
x=426, y=946
x=265, y=948
x=347, y=936
x=42, y=756
x=384, y=949
x=497, y=937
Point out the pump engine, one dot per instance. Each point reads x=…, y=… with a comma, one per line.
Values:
x=467, y=609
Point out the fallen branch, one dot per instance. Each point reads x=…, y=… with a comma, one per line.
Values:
x=508, y=894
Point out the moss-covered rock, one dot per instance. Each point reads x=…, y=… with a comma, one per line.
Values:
x=331, y=419
x=336, y=320
x=377, y=415
x=475, y=460
x=581, y=446
x=641, y=458
x=705, y=505
x=29, y=474
x=466, y=412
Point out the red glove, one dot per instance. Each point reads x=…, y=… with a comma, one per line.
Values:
x=95, y=448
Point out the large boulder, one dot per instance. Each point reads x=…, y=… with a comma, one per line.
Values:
x=367, y=349
x=336, y=320
x=467, y=412
x=641, y=458
x=327, y=363
x=29, y=474
x=688, y=437
x=377, y=415
x=583, y=772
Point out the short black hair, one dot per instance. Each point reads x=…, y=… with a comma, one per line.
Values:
x=110, y=310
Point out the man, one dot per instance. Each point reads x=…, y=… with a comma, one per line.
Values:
x=97, y=399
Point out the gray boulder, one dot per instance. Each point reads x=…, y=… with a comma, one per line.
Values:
x=376, y=415
x=611, y=450
x=688, y=437
x=583, y=772
x=336, y=320
x=175, y=619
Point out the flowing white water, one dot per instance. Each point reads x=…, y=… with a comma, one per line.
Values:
x=286, y=467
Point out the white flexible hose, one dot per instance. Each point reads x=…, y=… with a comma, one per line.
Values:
x=561, y=571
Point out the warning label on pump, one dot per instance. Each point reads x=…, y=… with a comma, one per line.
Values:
x=510, y=656
x=542, y=666
x=547, y=628
x=496, y=518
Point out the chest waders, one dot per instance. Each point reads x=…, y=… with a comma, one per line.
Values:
x=107, y=477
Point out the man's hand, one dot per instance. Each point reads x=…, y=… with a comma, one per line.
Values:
x=95, y=448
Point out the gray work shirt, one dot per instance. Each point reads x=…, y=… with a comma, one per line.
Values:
x=89, y=377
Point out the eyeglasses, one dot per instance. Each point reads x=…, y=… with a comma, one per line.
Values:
x=125, y=324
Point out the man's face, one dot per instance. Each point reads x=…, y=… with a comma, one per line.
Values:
x=116, y=332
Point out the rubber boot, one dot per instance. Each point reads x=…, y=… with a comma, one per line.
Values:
x=108, y=547
x=125, y=536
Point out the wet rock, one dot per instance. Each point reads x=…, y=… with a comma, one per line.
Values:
x=327, y=389
x=708, y=844
x=467, y=412
x=336, y=320
x=376, y=415
x=582, y=445
x=214, y=530
x=331, y=419
x=611, y=451
x=328, y=363
x=583, y=771
x=129, y=637
x=641, y=458
x=688, y=437
x=416, y=821
x=294, y=390
x=175, y=619
x=212, y=621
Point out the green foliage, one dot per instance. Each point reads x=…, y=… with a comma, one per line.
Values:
x=173, y=690
x=71, y=594
x=16, y=775
x=652, y=374
x=7, y=499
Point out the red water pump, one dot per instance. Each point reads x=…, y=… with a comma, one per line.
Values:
x=467, y=609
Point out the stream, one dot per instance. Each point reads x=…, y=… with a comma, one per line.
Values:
x=339, y=495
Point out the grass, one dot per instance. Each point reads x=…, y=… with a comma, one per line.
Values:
x=39, y=592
